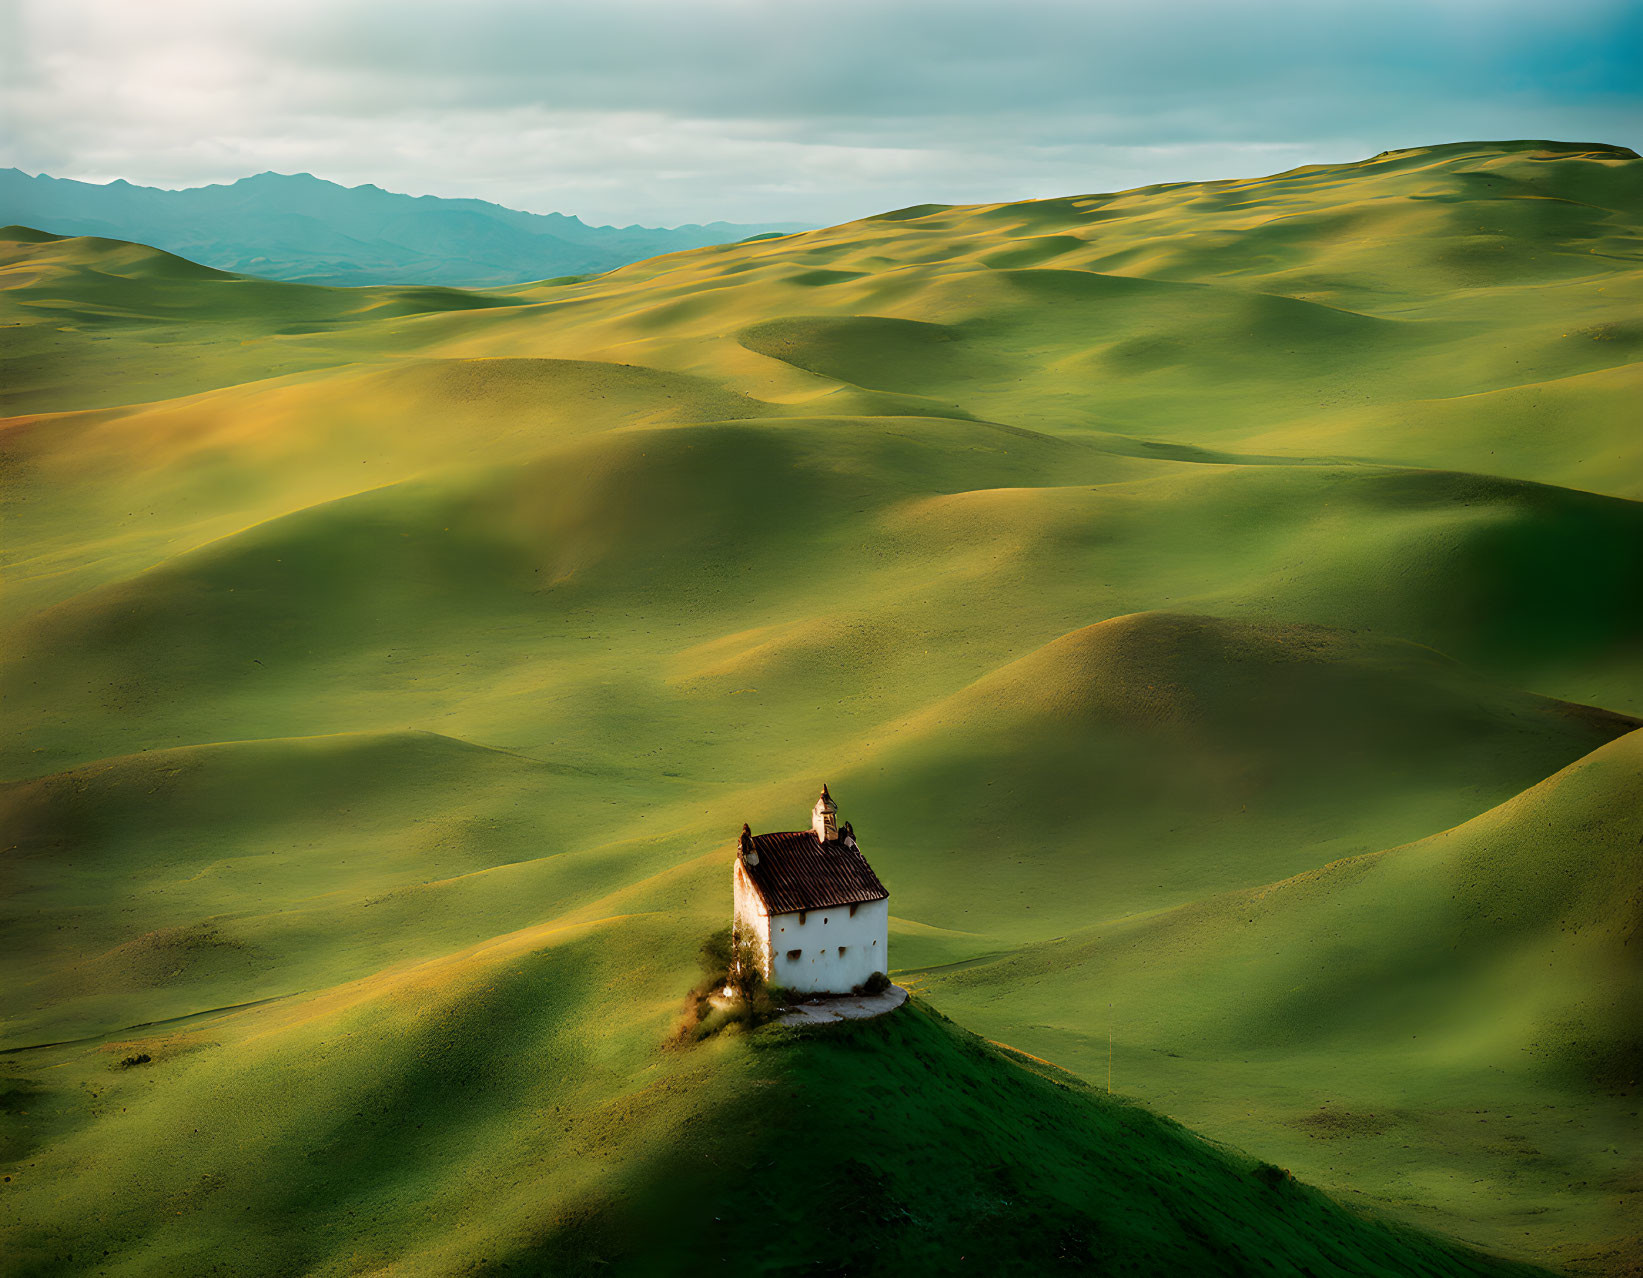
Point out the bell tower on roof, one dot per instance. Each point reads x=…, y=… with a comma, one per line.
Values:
x=824, y=818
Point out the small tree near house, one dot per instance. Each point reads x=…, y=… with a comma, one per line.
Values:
x=744, y=974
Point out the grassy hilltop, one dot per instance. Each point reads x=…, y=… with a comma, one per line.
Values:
x=1218, y=608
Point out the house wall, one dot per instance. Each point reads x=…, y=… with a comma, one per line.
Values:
x=819, y=967
x=748, y=915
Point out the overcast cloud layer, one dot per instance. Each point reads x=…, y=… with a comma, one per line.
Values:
x=746, y=110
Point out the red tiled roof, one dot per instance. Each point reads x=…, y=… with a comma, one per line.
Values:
x=797, y=871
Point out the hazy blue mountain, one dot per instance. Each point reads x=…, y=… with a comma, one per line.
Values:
x=300, y=227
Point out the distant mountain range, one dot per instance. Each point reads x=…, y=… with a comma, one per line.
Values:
x=300, y=227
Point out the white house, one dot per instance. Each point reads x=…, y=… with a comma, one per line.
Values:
x=814, y=913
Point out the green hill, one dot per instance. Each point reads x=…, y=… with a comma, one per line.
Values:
x=909, y=1144
x=1529, y=906
x=1202, y=753
x=467, y=1116
x=408, y=657
x=1472, y=993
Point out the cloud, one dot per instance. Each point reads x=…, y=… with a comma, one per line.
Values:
x=664, y=112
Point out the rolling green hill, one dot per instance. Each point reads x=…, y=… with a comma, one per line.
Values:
x=460, y=1117
x=1218, y=608
x=1463, y=994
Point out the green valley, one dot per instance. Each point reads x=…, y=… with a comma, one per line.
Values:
x=1217, y=607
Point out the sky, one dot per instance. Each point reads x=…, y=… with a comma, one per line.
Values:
x=671, y=111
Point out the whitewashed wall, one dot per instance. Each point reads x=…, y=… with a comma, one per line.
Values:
x=749, y=913
x=819, y=967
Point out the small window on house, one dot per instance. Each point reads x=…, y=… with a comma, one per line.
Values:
x=824, y=918
x=793, y=955
x=852, y=911
x=802, y=913
x=841, y=951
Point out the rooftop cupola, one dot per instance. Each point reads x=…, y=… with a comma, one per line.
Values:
x=824, y=818
x=749, y=853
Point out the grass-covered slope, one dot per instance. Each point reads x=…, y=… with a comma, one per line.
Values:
x=1444, y=986
x=432, y=1117
x=109, y=322
x=472, y=1116
x=1203, y=752
x=909, y=1145
x=1542, y=892
x=1113, y=557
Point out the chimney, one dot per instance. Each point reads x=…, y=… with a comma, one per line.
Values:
x=748, y=852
